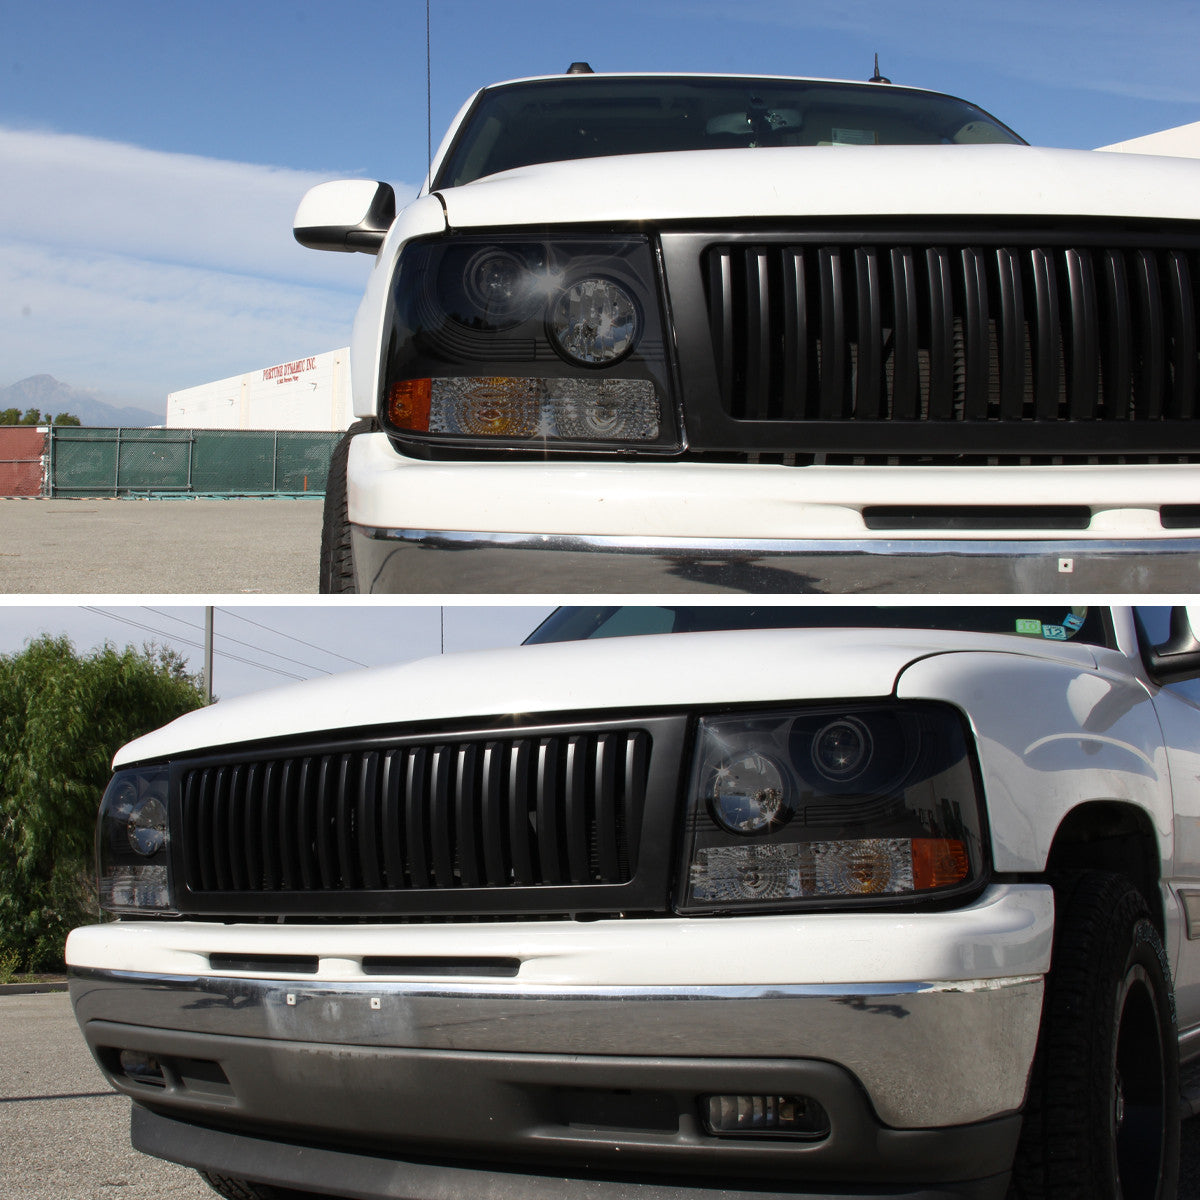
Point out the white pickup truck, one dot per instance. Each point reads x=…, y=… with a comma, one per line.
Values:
x=674, y=903
x=663, y=333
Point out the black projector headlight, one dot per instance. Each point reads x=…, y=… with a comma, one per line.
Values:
x=831, y=806
x=133, y=843
x=548, y=343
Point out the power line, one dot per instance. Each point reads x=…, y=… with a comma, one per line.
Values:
x=262, y=649
x=112, y=616
x=291, y=637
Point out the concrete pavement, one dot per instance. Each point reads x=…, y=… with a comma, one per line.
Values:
x=185, y=546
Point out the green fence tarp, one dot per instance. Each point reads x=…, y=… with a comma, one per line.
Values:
x=114, y=462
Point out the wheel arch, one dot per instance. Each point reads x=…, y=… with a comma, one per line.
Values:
x=1114, y=836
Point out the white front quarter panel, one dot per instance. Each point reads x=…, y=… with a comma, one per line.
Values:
x=1051, y=737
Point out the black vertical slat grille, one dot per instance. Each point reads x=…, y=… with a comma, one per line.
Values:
x=557, y=809
x=980, y=335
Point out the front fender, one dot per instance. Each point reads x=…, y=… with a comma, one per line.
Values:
x=1051, y=736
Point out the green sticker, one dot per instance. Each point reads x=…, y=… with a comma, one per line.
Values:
x=1029, y=625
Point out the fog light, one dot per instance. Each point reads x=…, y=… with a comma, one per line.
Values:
x=142, y=1068
x=764, y=1116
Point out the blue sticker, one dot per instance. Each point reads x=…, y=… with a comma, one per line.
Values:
x=1056, y=633
x=1073, y=622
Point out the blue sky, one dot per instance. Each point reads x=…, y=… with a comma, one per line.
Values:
x=152, y=155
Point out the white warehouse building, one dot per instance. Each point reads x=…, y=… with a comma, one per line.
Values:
x=309, y=394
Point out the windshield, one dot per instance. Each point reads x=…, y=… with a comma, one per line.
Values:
x=554, y=120
x=1060, y=623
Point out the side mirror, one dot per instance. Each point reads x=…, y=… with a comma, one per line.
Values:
x=346, y=215
x=1179, y=656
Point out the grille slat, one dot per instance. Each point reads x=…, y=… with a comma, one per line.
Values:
x=369, y=842
x=1011, y=342
x=1085, y=353
x=252, y=816
x=518, y=813
x=551, y=864
x=327, y=824
x=495, y=828
x=1148, y=375
x=218, y=814
x=834, y=346
x=1116, y=348
x=797, y=364
x=868, y=391
x=1003, y=336
x=975, y=322
x=392, y=825
x=559, y=810
x=415, y=823
x=577, y=809
x=272, y=867
x=906, y=368
x=466, y=794
x=441, y=817
x=1183, y=336
x=757, y=335
x=941, y=334
x=607, y=808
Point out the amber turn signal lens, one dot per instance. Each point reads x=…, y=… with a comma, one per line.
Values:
x=938, y=862
x=408, y=404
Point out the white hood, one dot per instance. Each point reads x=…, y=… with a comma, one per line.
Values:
x=673, y=670
x=832, y=181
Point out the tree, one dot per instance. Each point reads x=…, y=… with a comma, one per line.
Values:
x=10, y=416
x=33, y=416
x=62, y=717
x=67, y=419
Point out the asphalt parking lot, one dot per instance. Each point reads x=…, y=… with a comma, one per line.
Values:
x=65, y=1136
x=186, y=546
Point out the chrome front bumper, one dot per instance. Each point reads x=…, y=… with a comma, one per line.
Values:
x=390, y=560
x=924, y=1054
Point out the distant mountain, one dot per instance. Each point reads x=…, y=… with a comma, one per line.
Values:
x=51, y=397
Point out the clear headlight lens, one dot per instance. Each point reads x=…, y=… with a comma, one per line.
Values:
x=132, y=842
x=595, y=322
x=831, y=806
x=746, y=794
x=552, y=344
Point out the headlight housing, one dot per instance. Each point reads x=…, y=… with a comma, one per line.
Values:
x=133, y=843
x=547, y=344
x=829, y=806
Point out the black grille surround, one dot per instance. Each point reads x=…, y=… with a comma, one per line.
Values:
x=976, y=343
x=555, y=819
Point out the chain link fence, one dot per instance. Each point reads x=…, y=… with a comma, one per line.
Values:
x=190, y=462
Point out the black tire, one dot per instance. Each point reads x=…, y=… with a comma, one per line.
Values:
x=337, y=560
x=243, y=1189
x=1102, y=1118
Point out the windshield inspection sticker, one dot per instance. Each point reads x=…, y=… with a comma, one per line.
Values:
x=1029, y=626
x=1056, y=633
x=1073, y=622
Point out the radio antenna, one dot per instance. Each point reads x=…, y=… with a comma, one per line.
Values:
x=428, y=98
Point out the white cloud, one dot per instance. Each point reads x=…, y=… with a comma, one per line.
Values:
x=139, y=329
x=138, y=272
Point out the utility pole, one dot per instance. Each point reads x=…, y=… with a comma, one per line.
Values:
x=208, y=654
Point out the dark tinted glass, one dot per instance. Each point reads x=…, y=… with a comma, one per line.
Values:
x=1048, y=622
x=579, y=117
